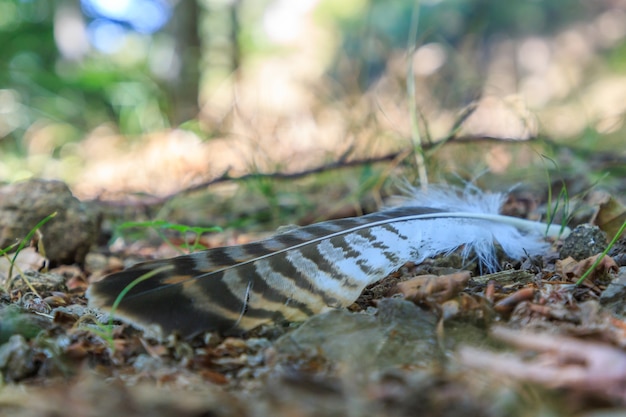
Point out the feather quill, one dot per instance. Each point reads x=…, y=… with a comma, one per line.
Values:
x=301, y=272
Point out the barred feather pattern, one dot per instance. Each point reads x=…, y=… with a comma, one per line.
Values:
x=295, y=274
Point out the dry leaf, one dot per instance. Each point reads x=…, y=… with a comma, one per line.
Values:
x=27, y=260
x=573, y=270
x=439, y=288
x=610, y=216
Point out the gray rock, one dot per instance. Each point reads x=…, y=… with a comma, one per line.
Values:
x=16, y=359
x=614, y=296
x=67, y=237
x=584, y=241
x=400, y=333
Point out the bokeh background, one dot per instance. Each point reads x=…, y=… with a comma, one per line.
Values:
x=120, y=97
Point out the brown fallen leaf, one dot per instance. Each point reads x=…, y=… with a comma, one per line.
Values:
x=610, y=216
x=27, y=260
x=573, y=270
x=438, y=288
x=560, y=362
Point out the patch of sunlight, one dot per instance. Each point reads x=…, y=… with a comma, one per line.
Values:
x=610, y=27
x=70, y=33
x=502, y=117
x=159, y=163
x=284, y=20
x=564, y=121
x=8, y=14
x=12, y=112
x=428, y=59
x=606, y=97
x=341, y=9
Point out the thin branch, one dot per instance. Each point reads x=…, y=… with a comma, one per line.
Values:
x=341, y=163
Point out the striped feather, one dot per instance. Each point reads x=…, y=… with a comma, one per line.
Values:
x=296, y=274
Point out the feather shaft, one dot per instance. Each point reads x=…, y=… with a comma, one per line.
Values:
x=550, y=230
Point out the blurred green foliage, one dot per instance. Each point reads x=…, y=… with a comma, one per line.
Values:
x=40, y=88
x=40, y=85
x=377, y=28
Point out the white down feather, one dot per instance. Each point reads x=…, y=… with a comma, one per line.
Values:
x=477, y=236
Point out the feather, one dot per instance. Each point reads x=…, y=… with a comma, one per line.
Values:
x=311, y=269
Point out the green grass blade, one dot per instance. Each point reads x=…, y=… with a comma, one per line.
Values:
x=602, y=255
x=27, y=239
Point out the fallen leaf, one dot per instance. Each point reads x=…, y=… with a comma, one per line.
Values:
x=573, y=270
x=438, y=288
x=610, y=216
x=28, y=259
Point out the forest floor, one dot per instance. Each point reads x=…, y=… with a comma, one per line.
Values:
x=431, y=339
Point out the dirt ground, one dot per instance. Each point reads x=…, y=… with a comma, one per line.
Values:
x=438, y=338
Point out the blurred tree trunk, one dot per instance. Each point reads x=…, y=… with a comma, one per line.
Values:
x=184, y=88
x=222, y=61
x=234, y=39
x=216, y=49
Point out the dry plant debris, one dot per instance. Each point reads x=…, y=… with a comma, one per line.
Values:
x=584, y=368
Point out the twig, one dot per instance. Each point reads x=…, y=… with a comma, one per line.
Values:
x=342, y=163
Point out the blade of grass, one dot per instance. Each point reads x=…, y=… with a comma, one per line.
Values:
x=27, y=239
x=602, y=255
x=563, y=194
x=106, y=331
x=420, y=159
x=132, y=285
x=9, y=280
x=8, y=248
x=159, y=225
